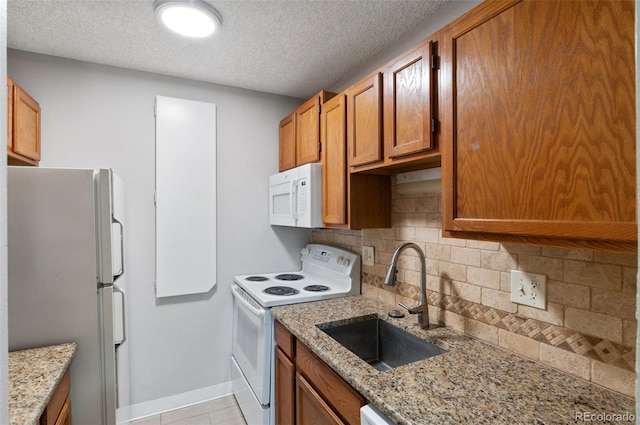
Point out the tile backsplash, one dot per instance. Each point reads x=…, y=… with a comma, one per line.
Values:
x=588, y=329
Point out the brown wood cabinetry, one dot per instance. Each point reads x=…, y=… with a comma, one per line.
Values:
x=287, y=154
x=311, y=408
x=364, y=122
x=308, y=390
x=23, y=126
x=58, y=411
x=285, y=373
x=409, y=102
x=334, y=162
x=539, y=127
x=300, y=133
x=349, y=200
x=392, y=114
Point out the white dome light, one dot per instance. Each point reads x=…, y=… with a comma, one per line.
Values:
x=191, y=18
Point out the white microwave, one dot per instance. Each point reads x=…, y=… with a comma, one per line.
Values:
x=295, y=197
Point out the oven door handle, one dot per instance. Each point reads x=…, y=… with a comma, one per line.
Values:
x=238, y=296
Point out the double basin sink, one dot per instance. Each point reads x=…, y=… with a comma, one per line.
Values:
x=379, y=343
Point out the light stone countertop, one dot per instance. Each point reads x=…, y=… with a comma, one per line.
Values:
x=473, y=383
x=33, y=376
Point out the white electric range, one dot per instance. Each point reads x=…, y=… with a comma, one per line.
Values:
x=327, y=272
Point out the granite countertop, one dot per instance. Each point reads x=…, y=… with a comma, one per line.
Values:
x=473, y=383
x=33, y=376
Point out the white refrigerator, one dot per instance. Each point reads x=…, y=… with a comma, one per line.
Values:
x=67, y=279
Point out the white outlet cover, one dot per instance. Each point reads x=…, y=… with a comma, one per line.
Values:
x=529, y=289
x=368, y=258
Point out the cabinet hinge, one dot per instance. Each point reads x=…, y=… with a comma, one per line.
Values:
x=434, y=61
x=319, y=146
x=319, y=109
x=435, y=126
x=155, y=109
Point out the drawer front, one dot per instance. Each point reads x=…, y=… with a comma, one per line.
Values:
x=284, y=339
x=338, y=394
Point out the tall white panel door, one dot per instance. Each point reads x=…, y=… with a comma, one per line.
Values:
x=185, y=196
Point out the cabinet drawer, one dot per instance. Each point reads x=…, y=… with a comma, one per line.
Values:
x=312, y=409
x=57, y=401
x=338, y=394
x=284, y=339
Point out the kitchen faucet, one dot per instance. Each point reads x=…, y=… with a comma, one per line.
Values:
x=421, y=309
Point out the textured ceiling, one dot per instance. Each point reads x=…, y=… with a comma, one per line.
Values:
x=288, y=47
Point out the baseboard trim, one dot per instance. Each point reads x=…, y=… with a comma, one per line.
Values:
x=177, y=401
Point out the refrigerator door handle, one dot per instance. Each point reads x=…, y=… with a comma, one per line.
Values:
x=124, y=308
x=121, y=271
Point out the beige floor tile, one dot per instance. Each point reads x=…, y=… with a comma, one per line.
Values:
x=151, y=420
x=202, y=419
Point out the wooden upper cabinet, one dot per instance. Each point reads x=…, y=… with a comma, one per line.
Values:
x=539, y=123
x=334, y=161
x=364, y=109
x=300, y=133
x=287, y=156
x=349, y=200
x=10, y=84
x=408, y=102
x=23, y=144
x=308, y=132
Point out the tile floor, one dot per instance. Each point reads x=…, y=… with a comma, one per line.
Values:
x=221, y=411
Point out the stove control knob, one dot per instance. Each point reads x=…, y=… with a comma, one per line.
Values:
x=340, y=260
x=346, y=262
x=305, y=251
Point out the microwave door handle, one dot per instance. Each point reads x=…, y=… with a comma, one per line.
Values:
x=291, y=199
x=294, y=199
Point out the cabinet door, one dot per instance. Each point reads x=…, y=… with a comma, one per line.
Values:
x=364, y=121
x=334, y=164
x=26, y=125
x=308, y=132
x=287, y=156
x=541, y=127
x=284, y=389
x=65, y=414
x=310, y=407
x=9, y=114
x=408, y=106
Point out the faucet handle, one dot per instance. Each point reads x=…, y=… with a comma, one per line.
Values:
x=415, y=309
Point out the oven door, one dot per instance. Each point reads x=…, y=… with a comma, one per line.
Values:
x=252, y=342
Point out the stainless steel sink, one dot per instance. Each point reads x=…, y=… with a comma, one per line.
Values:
x=379, y=343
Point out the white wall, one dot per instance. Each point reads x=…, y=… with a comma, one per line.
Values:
x=98, y=116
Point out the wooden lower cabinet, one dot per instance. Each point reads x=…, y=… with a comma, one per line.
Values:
x=307, y=391
x=285, y=377
x=311, y=409
x=58, y=411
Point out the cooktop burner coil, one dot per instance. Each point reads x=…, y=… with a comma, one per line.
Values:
x=316, y=288
x=289, y=276
x=257, y=278
x=280, y=290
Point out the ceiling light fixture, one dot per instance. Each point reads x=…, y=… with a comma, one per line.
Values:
x=191, y=18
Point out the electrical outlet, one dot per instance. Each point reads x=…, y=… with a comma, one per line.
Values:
x=529, y=289
x=368, y=256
